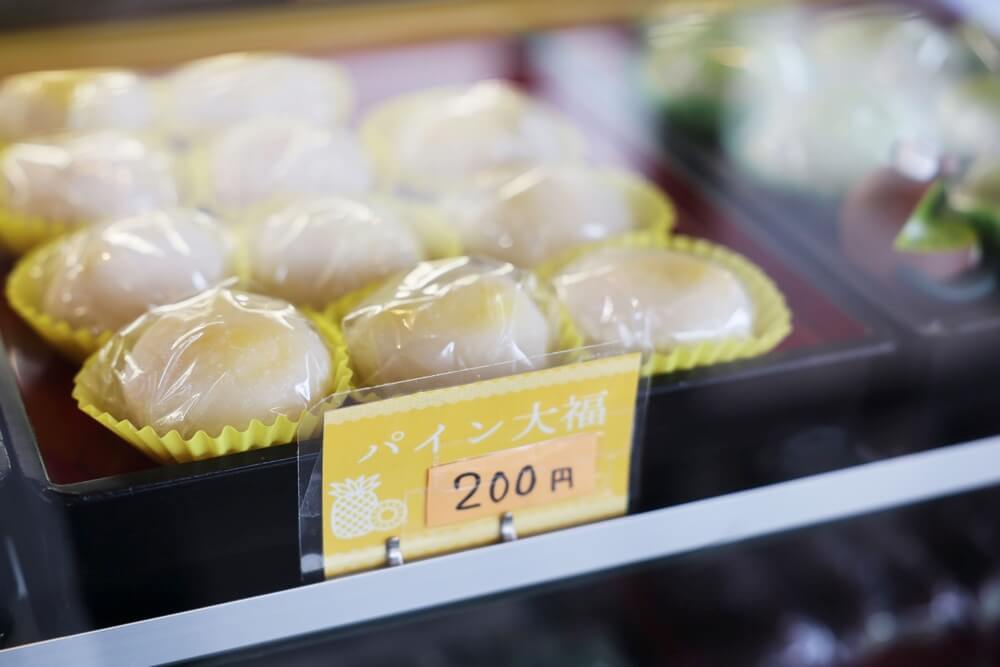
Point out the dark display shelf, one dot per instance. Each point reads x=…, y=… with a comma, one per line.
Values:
x=216, y=530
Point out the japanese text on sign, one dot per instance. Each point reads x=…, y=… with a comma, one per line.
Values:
x=552, y=445
x=576, y=414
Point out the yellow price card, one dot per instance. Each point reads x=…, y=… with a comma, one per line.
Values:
x=437, y=469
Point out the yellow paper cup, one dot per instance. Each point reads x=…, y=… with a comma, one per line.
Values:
x=25, y=288
x=652, y=210
x=772, y=319
x=171, y=447
x=20, y=233
x=437, y=237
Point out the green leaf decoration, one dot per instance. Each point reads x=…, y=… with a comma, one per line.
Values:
x=933, y=227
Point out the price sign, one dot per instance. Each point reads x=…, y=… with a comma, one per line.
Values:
x=438, y=468
x=537, y=474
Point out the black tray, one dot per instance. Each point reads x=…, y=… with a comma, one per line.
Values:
x=135, y=540
x=947, y=347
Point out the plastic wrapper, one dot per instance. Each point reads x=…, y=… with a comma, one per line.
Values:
x=77, y=290
x=528, y=217
x=449, y=315
x=261, y=160
x=824, y=140
x=50, y=186
x=217, y=92
x=314, y=251
x=688, y=302
x=426, y=142
x=57, y=101
x=222, y=372
x=814, y=113
x=888, y=45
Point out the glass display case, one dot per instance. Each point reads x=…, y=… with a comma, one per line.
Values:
x=228, y=227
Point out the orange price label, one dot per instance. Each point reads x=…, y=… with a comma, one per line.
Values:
x=536, y=474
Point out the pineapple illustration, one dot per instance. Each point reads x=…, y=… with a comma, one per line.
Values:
x=356, y=502
x=389, y=514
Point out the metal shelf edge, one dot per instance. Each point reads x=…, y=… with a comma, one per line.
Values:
x=537, y=560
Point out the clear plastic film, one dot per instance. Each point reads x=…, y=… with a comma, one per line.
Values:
x=214, y=93
x=426, y=142
x=57, y=101
x=685, y=301
x=79, y=179
x=252, y=163
x=78, y=289
x=527, y=217
x=890, y=45
x=811, y=112
x=314, y=251
x=221, y=372
x=458, y=314
x=653, y=298
x=826, y=140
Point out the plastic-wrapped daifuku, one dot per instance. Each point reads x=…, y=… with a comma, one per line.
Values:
x=450, y=315
x=825, y=140
x=221, y=359
x=78, y=179
x=57, y=101
x=314, y=251
x=888, y=45
x=104, y=276
x=426, y=142
x=257, y=161
x=529, y=217
x=653, y=299
x=217, y=92
x=814, y=112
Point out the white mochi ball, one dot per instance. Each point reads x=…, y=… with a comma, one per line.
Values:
x=448, y=315
x=538, y=214
x=223, y=358
x=312, y=252
x=653, y=299
x=216, y=92
x=434, y=139
x=261, y=160
x=57, y=101
x=105, y=276
x=85, y=178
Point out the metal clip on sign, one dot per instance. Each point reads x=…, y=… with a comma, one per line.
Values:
x=394, y=554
